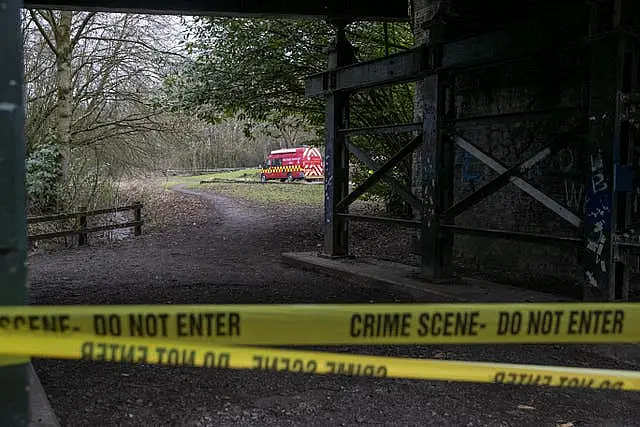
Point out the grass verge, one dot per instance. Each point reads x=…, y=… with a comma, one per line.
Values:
x=272, y=194
x=194, y=181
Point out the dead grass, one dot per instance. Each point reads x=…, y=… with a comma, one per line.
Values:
x=162, y=207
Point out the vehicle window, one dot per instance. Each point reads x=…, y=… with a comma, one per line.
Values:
x=277, y=162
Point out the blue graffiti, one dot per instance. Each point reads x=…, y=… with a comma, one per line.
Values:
x=598, y=217
x=598, y=197
x=464, y=160
x=598, y=208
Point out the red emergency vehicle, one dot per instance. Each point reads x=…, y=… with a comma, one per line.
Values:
x=289, y=164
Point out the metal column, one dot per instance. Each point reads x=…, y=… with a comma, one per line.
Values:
x=336, y=185
x=14, y=406
x=609, y=177
x=439, y=154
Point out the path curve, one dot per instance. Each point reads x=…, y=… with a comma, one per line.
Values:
x=232, y=213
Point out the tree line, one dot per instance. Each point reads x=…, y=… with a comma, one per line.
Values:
x=114, y=95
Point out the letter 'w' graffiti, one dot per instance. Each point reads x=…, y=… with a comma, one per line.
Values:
x=573, y=195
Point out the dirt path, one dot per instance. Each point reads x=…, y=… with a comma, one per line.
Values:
x=233, y=257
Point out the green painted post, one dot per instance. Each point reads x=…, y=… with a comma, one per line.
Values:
x=14, y=394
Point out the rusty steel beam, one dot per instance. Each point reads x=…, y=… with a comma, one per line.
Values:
x=383, y=220
x=571, y=242
x=383, y=129
x=438, y=176
x=393, y=69
x=480, y=50
x=497, y=183
x=336, y=184
x=366, y=10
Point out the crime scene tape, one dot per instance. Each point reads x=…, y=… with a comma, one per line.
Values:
x=167, y=352
x=328, y=324
x=12, y=360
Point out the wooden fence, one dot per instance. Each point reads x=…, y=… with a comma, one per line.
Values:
x=82, y=230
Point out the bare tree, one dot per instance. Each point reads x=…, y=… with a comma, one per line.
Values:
x=56, y=28
x=107, y=67
x=91, y=83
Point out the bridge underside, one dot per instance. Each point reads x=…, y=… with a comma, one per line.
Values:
x=362, y=9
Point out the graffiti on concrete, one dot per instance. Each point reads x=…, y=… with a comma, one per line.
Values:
x=565, y=161
x=464, y=161
x=573, y=195
x=598, y=215
x=428, y=184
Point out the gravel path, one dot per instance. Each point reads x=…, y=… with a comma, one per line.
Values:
x=230, y=254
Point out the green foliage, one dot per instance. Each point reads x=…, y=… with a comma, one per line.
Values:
x=255, y=69
x=43, y=172
x=252, y=67
x=86, y=182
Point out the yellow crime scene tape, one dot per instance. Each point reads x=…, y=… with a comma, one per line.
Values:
x=329, y=324
x=217, y=336
x=175, y=353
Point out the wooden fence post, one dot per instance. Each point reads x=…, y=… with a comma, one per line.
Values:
x=138, y=218
x=82, y=237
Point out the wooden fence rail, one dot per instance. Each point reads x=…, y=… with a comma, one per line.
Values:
x=82, y=230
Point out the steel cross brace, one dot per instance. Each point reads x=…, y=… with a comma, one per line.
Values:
x=532, y=191
x=500, y=181
x=396, y=185
x=378, y=174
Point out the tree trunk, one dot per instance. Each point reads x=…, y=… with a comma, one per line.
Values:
x=64, y=107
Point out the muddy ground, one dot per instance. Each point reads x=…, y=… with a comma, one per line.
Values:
x=222, y=251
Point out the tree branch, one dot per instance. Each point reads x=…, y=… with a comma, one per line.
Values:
x=43, y=32
x=138, y=42
x=81, y=28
